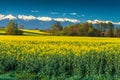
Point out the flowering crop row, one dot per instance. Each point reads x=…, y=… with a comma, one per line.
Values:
x=58, y=56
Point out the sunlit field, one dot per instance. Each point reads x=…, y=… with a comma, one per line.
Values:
x=59, y=58
x=27, y=32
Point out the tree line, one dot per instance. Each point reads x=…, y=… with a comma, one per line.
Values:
x=86, y=29
x=81, y=29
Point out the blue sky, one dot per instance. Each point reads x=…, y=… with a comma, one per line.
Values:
x=61, y=10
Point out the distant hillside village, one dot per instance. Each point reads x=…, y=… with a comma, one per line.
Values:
x=100, y=29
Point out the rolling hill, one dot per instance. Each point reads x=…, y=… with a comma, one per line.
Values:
x=28, y=32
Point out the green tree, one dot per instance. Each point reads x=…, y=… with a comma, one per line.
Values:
x=53, y=28
x=81, y=29
x=86, y=28
x=12, y=29
x=90, y=31
x=115, y=32
x=56, y=29
x=93, y=32
x=58, y=26
x=21, y=26
x=71, y=30
x=110, y=30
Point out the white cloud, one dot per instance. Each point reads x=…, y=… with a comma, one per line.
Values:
x=24, y=17
x=34, y=11
x=64, y=14
x=66, y=19
x=117, y=23
x=83, y=15
x=2, y=17
x=31, y=17
x=89, y=21
x=54, y=13
x=9, y=16
x=73, y=13
x=72, y=20
x=59, y=19
x=44, y=18
x=98, y=21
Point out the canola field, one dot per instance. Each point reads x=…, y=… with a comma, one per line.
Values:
x=60, y=57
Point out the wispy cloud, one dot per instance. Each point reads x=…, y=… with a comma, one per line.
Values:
x=54, y=13
x=73, y=13
x=34, y=11
x=44, y=18
x=64, y=14
x=9, y=16
x=83, y=15
x=24, y=17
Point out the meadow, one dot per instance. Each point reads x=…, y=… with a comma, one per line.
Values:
x=59, y=58
x=27, y=32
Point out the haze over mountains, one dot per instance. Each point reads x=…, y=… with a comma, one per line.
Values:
x=32, y=22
